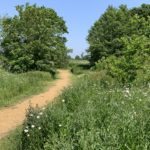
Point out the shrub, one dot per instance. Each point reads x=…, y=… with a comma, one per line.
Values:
x=135, y=53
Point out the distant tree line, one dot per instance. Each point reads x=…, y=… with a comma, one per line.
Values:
x=120, y=41
x=33, y=40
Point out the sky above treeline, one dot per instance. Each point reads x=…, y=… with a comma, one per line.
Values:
x=78, y=14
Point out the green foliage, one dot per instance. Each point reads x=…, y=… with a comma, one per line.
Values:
x=103, y=36
x=119, y=42
x=135, y=53
x=14, y=87
x=142, y=11
x=93, y=114
x=78, y=66
x=33, y=40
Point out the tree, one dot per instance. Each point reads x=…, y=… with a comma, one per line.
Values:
x=33, y=40
x=142, y=11
x=103, y=36
x=135, y=51
x=77, y=57
x=119, y=42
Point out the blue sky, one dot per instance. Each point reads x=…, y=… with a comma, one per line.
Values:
x=78, y=14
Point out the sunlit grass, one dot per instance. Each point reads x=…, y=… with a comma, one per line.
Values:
x=14, y=87
x=93, y=114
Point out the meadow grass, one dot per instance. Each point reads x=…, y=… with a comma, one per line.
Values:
x=93, y=114
x=14, y=87
x=12, y=141
x=78, y=67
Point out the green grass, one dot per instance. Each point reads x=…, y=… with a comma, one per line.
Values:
x=78, y=67
x=94, y=114
x=14, y=87
x=78, y=62
x=13, y=141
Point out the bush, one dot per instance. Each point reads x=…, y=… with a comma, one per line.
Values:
x=135, y=53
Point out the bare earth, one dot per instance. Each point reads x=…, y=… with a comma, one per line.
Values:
x=14, y=116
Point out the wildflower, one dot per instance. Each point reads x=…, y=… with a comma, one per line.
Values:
x=39, y=128
x=122, y=102
x=43, y=108
x=63, y=100
x=145, y=94
x=32, y=126
x=38, y=117
x=127, y=91
x=60, y=125
x=140, y=100
x=41, y=113
x=28, y=135
x=26, y=131
x=31, y=115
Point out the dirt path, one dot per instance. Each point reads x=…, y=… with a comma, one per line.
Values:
x=13, y=116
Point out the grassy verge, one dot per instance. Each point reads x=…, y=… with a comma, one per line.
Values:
x=14, y=87
x=93, y=114
x=96, y=113
x=13, y=141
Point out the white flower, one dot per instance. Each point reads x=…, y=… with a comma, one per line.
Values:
x=32, y=126
x=28, y=135
x=122, y=102
x=39, y=128
x=31, y=115
x=26, y=131
x=94, y=84
x=38, y=117
x=140, y=100
x=125, y=95
x=145, y=94
x=60, y=125
x=41, y=113
x=63, y=100
x=43, y=108
x=127, y=90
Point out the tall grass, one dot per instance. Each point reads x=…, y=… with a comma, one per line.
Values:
x=16, y=86
x=13, y=141
x=78, y=67
x=94, y=114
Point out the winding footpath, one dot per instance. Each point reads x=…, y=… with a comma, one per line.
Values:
x=14, y=116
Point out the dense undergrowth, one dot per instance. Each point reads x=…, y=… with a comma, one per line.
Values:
x=16, y=86
x=94, y=114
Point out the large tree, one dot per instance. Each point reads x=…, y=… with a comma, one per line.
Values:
x=33, y=39
x=104, y=34
x=119, y=42
x=142, y=11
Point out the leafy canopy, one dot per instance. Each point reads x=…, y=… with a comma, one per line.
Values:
x=119, y=42
x=33, y=40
